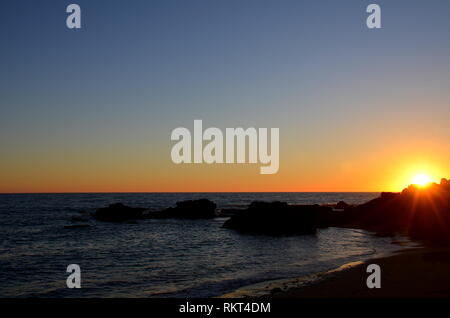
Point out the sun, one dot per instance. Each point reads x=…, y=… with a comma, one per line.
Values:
x=421, y=180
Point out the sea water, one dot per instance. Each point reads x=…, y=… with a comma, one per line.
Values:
x=161, y=258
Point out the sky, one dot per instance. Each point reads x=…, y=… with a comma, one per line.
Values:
x=92, y=110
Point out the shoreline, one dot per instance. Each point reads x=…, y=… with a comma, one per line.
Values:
x=270, y=287
x=420, y=272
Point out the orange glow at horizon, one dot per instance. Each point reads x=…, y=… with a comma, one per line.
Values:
x=380, y=167
x=350, y=178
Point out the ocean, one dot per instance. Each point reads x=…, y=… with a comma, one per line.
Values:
x=161, y=258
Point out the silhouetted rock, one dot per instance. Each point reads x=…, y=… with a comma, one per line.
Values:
x=420, y=213
x=118, y=213
x=388, y=195
x=230, y=212
x=341, y=205
x=191, y=209
x=277, y=218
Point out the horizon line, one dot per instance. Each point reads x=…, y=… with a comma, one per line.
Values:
x=189, y=192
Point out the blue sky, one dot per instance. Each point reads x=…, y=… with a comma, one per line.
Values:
x=138, y=69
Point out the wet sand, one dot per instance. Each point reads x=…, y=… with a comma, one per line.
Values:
x=414, y=273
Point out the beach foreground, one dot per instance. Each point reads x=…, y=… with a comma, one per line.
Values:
x=415, y=273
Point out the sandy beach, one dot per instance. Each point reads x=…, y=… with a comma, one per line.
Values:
x=415, y=273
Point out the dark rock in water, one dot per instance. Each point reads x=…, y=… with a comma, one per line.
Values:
x=192, y=209
x=76, y=226
x=341, y=205
x=230, y=212
x=420, y=213
x=388, y=195
x=119, y=213
x=277, y=218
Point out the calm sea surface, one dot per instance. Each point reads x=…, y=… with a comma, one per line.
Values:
x=160, y=258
